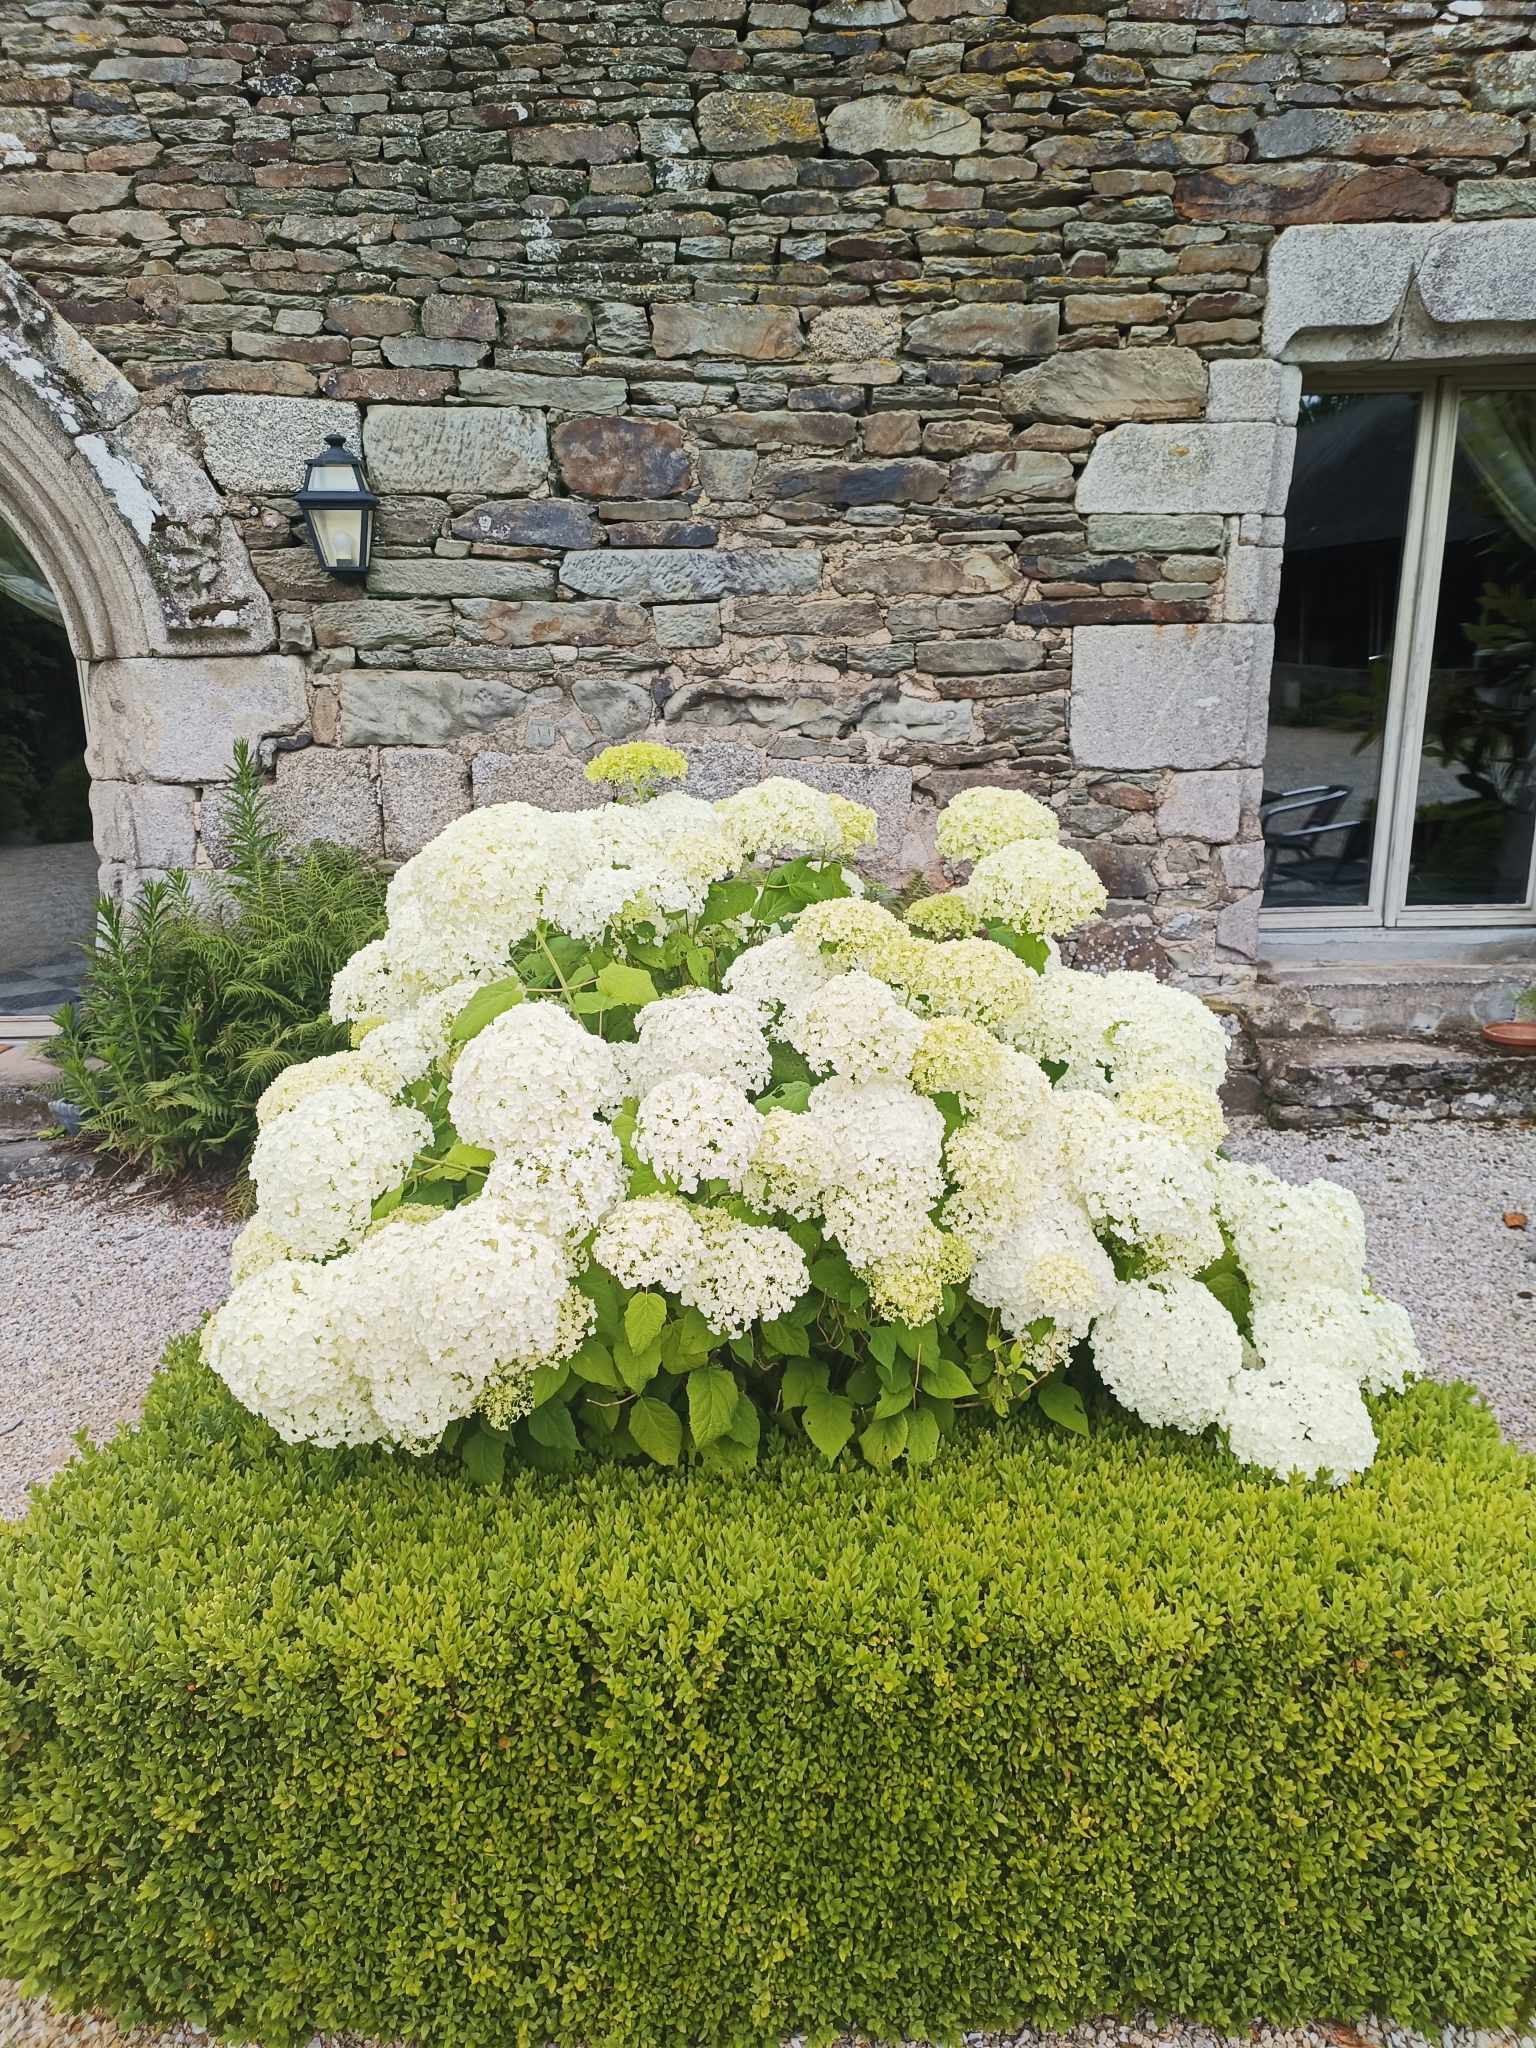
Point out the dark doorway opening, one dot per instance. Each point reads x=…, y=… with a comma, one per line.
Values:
x=47, y=861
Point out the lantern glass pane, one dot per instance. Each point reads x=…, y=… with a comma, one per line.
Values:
x=339, y=535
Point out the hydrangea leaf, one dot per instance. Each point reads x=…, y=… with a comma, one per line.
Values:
x=1061, y=1401
x=657, y=1429
x=828, y=1422
x=712, y=1398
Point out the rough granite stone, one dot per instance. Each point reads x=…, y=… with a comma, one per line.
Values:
x=1170, y=696
x=1241, y=467
x=1203, y=804
x=144, y=824
x=327, y=793
x=422, y=789
x=689, y=574
x=262, y=444
x=482, y=449
x=1256, y=389
x=174, y=720
x=1339, y=277
x=552, y=781
x=1251, y=593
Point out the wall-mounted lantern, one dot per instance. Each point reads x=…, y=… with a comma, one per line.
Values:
x=338, y=509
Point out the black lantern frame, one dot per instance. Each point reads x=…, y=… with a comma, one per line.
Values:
x=335, y=482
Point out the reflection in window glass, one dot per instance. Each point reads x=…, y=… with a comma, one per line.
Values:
x=1345, y=522
x=1476, y=784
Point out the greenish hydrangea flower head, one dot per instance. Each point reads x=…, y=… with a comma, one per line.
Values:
x=636, y=771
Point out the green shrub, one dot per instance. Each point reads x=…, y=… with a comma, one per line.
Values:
x=292, y=1738
x=190, y=1008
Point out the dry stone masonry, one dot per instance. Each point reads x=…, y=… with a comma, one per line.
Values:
x=896, y=392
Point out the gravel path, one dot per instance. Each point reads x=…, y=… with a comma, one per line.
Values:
x=102, y=1279
x=99, y=1278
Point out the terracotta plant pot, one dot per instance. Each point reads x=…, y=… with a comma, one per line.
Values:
x=1518, y=1036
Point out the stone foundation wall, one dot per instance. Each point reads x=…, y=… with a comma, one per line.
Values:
x=880, y=390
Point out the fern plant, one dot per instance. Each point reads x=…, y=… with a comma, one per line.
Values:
x=191, y=1007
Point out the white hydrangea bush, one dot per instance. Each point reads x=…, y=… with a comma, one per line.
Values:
x=660, y=1129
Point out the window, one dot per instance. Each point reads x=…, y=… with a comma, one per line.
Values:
x=1400, y=775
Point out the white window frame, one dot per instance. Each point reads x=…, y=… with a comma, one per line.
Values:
x=1386, y=909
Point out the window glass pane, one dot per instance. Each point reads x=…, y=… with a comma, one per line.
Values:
x=1476, y=775
x=1345, y=522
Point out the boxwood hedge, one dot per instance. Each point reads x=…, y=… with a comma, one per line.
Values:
x=1054, y=1728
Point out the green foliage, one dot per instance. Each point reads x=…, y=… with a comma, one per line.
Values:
x=293, y=1739
x=190, y=1009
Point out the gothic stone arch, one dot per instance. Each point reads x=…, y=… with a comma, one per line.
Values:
x=173, y=634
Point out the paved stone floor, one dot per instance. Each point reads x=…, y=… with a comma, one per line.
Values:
x=47, y=905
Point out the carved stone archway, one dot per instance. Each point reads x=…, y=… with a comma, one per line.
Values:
x=172, y=631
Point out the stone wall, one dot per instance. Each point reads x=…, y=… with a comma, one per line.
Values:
x=879, y=390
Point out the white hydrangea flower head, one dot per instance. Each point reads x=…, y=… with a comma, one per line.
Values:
x=365, y=991
x=1054, y=1267
x=693, y=1128
x=1125, y=1030
x=1036, y=886
x=959, y=1057
x=998, y=1182
x=945, y=916
x=560, y=1189
x=278, y=1344
x=856, y=1027
x=858, y=824
x=1299, y=1424
x=853, y=934
x=979, y=822
x=744, y=1273
x=437, y=1309
x=254, y=1250
x=652, y=1241
x=910, y=1288
x=773, y=974
x=1148, y=1190
x=781, y=816
x=794, y=1162
x=885, y=1152
x=319, y=1167
x=979, y=979
x=1333, y=1329
x=507, y=1396
x=395, y=1054
x=1168, y=1351
x=717, y=1036
x=1289, y=1239
x=1181, y=1109
x=308, y=1077
x=532, y=1076
x=458, y=907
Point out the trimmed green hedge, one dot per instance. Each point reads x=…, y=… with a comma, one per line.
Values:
x=1053, y=1728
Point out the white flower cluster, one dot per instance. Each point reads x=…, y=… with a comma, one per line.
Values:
x=979, y=822
x=734, y=1273
x=1049, y=1141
